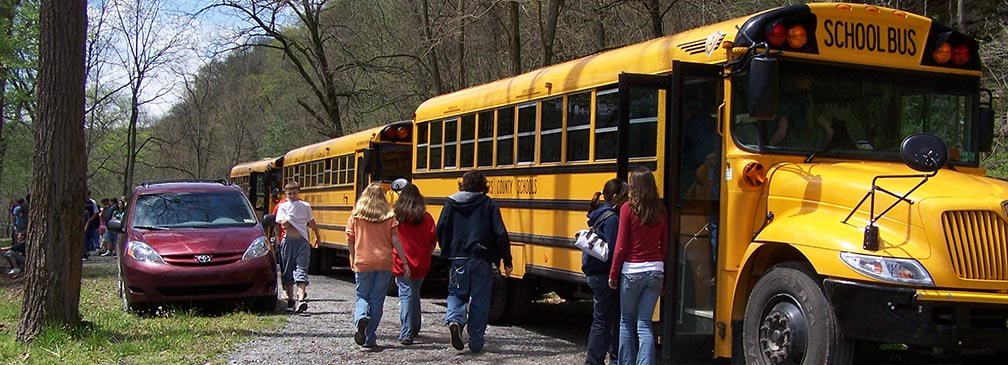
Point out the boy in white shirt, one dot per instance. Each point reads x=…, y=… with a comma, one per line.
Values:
x=295, y=215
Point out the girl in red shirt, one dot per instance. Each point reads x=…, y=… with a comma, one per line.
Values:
x=416, y=230
x=638, y=266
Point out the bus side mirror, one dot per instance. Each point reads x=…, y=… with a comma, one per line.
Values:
x=924, y=152
x=986, y=129
x=763, y=88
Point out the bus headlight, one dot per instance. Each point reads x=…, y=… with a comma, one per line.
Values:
x=889, y=269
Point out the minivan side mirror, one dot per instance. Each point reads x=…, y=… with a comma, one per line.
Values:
x=268, y=221
x=115, y=225
x=763, y=88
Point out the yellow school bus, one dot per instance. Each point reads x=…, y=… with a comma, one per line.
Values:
x=331, y=174
x=259, y=180
x=819, y=164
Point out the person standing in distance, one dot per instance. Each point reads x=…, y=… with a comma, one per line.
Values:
x=472, y=235
x=638, y=267
x=295, y=215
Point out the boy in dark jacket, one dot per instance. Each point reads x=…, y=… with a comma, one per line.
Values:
x=472, y=235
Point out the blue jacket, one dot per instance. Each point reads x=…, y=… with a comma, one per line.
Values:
x=594, y=266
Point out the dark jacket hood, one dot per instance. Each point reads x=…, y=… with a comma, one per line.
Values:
x=466, y=201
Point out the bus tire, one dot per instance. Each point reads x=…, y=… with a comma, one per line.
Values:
x=393, y=288
x=314, y=255
x=498, y=299
x=519, y=300
x=326, y=260
x=789, y=320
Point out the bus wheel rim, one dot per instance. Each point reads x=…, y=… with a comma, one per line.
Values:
x=783, y=330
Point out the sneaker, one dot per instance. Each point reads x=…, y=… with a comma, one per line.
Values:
x=107, y=254
x=456, y=335
x=302, y=306
x=361, y=327
x=290, y=305
x=14, y=271
x=406, y=341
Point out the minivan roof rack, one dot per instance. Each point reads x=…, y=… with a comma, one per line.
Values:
x=169, y=181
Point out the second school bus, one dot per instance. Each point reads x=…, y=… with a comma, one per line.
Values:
x=819, y=164
x=332, y=173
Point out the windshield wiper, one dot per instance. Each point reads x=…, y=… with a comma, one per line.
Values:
x=152, y=228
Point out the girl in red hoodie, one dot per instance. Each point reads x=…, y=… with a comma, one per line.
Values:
x=638, y=266
x=416, y=230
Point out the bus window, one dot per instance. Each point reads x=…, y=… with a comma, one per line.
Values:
x=485, y=139
x=435, y=145
x=450, y=143
x=348, y=166
x=552, y=126
x=578, y=126
x=505, y=136
x=606, y=123
x=643, y=123
x=467, y=141
x=421, y=146
x=526, y=133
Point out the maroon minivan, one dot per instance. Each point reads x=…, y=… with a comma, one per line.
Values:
x=192, y=241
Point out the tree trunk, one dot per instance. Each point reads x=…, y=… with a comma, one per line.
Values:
x=547, y=28
x=131, y=138
x=460, y=46
x=961, y=13
x=514, y=44
x=655, y=14
x=432, y=60
x=55, y=236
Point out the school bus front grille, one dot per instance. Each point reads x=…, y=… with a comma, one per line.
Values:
x=978, y=244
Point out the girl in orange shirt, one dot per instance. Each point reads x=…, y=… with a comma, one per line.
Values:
x=372, y=234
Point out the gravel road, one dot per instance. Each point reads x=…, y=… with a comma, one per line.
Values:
x=553, y=334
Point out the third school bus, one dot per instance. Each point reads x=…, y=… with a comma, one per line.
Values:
x=819, y=164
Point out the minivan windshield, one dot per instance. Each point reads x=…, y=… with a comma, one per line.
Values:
x=192, y=209
x=848, y=112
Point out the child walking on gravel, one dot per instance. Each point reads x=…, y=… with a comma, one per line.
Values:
x=372, y=234
x=416, y=229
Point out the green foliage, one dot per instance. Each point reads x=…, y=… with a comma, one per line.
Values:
x=17, y=161
x=175, y=337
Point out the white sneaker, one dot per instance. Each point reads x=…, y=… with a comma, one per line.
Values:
x=14, y=271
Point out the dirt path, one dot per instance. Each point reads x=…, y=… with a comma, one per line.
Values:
x=554, y=334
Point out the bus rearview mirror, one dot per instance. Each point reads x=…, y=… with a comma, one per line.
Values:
x=986, y=128
x=763, y=89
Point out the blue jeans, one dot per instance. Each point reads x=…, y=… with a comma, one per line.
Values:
x=409, y=306
x=470, y=282
x=603, y=338
x=638, y=297
x=371, y=289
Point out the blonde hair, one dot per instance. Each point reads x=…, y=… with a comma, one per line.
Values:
x=372, y=205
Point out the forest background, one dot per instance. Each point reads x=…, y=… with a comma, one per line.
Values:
x=181, y=89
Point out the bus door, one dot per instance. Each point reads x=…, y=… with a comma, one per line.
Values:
x=689, y=174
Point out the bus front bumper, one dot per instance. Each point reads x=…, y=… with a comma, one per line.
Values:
x=951, y=320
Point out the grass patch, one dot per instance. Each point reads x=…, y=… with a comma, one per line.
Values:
x=174, y=336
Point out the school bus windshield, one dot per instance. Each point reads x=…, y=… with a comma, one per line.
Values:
x=860, y=113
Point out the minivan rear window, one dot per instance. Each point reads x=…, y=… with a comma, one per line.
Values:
x=192, y=209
